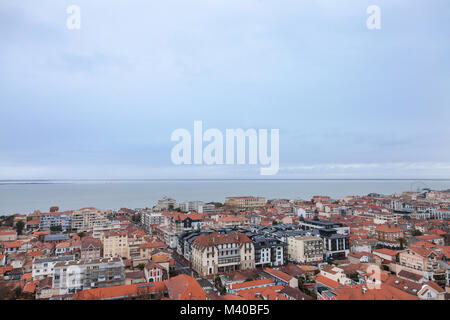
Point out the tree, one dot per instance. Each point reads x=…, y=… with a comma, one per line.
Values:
x=81, y=234
x=173, y=272
x=141, y=266
x=302, y=287
x=354, y=276
x=402, y=242
x=56, y=228
x=416, y=233
x=9, y=221
x=19, y=227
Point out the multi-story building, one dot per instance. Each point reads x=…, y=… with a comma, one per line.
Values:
x=217, y=253
x=424, y=262
x=166, y=203
x=196, y=206
x=72, y=276
x=86, y=218
x=336, y=245
x=115, y=244
x=244, y=203
x=184, y=222
x=104, y=226
x=149, y=219
x=208, y=208
x=305, y=249
x=324, y=225
x=388, y=235
x=56, y=219
x=91, y=248
x=268, y=251
x=43, y=268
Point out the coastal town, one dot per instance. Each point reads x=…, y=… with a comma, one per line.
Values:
x=372, y=247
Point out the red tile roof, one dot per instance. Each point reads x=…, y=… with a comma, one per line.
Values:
x=118, y=292
x=184, y=287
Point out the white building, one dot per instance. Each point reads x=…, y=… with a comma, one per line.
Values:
x=43, y=268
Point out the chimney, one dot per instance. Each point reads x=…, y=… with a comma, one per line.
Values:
x=364, y=290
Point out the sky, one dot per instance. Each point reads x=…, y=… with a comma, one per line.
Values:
x=101, y=102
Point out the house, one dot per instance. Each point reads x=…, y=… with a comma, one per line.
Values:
x=325, y=287
x=12, y=246
x=282, y=278
x=184, y=287
x=234, y=288
x=44, y=289
x=154, y=272
x=90, y=248
x=134, y=277
x=295, y=294
x=403, y=284
x=363, y=257
x=335, y=274
x=9, y=235
x=32, y=224
x=387, y=255
x=433, y=238
x=431, y=291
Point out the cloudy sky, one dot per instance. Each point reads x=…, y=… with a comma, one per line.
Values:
x=102, y=101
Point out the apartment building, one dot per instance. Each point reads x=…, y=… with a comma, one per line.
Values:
x=166, y=203
x=179, y=222
x=305, y=249
x=149, y=219
x=388, y=235
x=100, y=227
x=245, y=203
x=421, y=261
x=72, y=276
x=217, y=253
x=268, y=251
x=324, y=225
x=85, y=219
x=115, y=244
x=43, y=268
x=56, y=219
x=196, y=206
